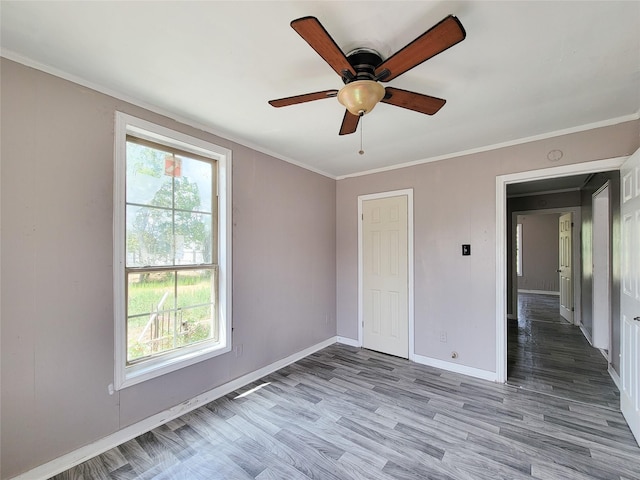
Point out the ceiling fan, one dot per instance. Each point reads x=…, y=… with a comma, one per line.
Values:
x=363, y=69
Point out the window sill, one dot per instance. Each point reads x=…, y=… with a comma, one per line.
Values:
x=153, y=368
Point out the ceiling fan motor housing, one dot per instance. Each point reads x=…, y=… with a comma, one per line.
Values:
x=361, y=92
x=364, y=61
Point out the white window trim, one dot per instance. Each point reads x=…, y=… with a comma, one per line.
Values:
x=126, y=376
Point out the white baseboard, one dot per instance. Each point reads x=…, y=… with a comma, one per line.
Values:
x=614, y=376
x=456, y=367
x=540, y=292
x=432, y=362
x=586, y=334
x=83, y=454
x=348, y=341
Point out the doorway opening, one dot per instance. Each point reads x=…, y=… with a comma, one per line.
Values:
x=546, y=257
x=503, y=253
x=542, y=347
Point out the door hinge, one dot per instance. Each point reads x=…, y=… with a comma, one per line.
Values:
x=362, y=216
x=573, y=309
x=571, y=224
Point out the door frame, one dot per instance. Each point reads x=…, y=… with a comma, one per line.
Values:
x=576, y=257
x=606, y=267
x=408, y=192
x=501, y=239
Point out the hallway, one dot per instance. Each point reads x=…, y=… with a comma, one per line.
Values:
x=546, y=354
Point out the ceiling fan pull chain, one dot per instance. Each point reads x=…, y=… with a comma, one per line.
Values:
x=361, y=151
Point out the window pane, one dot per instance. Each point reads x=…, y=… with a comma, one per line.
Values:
x=193, y=238
x=196, y=324
x=147, y=183
x=194, y=185
x=196, y=302
x=195, y=287
x=149, y=236
x=150, y=313
x=150, y=291
x=158, y=321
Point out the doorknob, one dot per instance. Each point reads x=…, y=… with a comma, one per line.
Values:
x=558, y=270
x=637, y=319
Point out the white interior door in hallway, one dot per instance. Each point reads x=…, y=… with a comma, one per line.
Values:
x=601, y=299
x=630, y=293
x=565, y=226
x=385, y=275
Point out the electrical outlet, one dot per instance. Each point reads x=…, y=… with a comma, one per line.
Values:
x=238, y=350
x=443, y=336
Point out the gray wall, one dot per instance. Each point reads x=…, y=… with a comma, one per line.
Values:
x=455, y=204
x=57, y=301
x=596, y=182
x=539, y=252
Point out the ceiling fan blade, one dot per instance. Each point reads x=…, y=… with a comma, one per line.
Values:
x=349, y=123
x=307, y=97
x=434, y=41
x=412, y=100
x=312, y=31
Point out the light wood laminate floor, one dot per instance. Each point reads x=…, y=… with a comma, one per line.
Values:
x=348, y=413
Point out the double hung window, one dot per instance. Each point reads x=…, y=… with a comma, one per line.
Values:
x=171, y=252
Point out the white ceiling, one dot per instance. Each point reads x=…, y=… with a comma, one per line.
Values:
x=526, y=69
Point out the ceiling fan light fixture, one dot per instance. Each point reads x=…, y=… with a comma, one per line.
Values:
x=361, y=96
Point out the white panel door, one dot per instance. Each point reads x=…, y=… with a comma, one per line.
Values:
x=564, y=266
x=601, y=299
x=630, y=293
x=385, y=286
